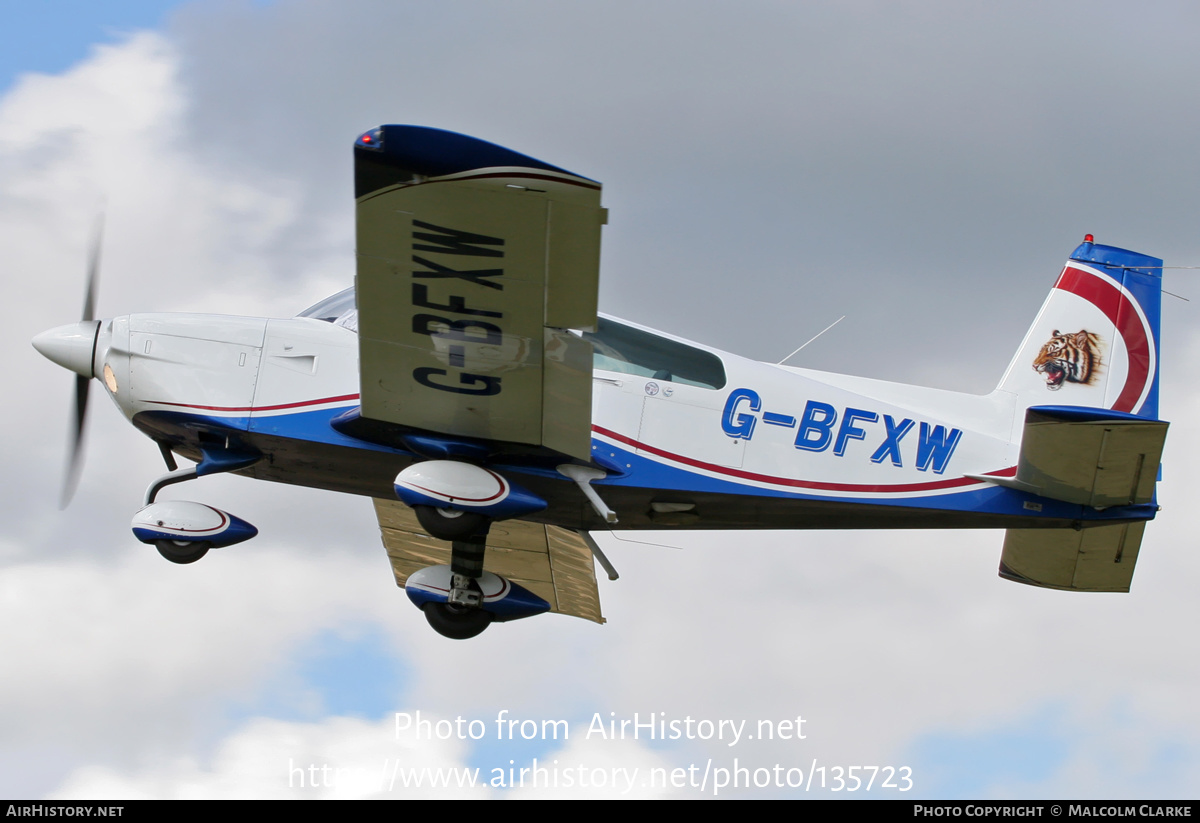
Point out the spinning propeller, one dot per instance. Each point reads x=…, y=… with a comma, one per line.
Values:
x=74, y=347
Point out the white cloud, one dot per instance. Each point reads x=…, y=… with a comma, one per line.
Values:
x=336, y=759
x=103, y=651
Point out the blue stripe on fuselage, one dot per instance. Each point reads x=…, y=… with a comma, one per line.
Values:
x=642, y=472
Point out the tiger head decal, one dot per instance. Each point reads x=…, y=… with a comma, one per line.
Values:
x=1069, y=358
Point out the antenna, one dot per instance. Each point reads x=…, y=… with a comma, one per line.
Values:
x=814, y=337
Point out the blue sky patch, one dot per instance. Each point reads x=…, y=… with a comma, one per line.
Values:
x=957, y=766
x=346, y=672
x=51, y=36
x=354, y=674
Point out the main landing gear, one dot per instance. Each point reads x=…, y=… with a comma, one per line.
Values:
x=456, y=622
x=456, y=501
x=451, y=524
x=459, y=601
x=462, y=615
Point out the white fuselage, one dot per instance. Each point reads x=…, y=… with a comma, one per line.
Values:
x=773, y=444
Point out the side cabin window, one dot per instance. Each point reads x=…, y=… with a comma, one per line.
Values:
x=624, y=349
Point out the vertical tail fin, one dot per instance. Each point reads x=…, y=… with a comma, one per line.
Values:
x=1095, y=341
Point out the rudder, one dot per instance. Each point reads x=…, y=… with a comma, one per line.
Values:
x=1095, y=341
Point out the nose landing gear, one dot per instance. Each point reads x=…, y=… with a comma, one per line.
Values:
x=181, y=551
x=183, y=532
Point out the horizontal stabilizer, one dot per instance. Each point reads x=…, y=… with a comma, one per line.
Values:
x=1100, y=559
x=1092, y=457
x=553, y=563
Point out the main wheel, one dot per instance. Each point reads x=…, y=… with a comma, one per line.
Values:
x=180, y=551
x=456, y=622
x=449, y=524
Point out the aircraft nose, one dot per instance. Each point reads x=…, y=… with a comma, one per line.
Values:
x=72, y=346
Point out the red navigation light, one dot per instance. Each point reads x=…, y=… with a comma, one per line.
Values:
x=366, y=138
x=1087, y=238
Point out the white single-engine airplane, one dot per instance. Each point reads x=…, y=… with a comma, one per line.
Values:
x=468, y=384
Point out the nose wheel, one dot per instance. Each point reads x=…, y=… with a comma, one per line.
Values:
x=178, y=551
x=182, y=531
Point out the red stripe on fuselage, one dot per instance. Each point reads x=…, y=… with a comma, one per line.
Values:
x=895, y=488
x=319, y=402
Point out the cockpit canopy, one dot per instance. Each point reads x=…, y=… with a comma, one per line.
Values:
x=617, y=347
x=340, y=309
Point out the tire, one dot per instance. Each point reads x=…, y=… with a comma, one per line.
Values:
x=449, y=524
x=181, y=552
x=456, y=622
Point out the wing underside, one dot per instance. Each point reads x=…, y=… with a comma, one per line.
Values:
x=553, y=563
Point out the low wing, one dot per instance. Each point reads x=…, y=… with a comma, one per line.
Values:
x=555, y=564
x=473, y=260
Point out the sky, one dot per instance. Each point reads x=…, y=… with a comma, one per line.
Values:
x=923, y=169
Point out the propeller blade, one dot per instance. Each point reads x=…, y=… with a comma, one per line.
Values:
x=93, y=273
x=83, y=384
x=75, y=454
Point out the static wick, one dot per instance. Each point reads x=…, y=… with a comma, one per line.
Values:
x=814, y=337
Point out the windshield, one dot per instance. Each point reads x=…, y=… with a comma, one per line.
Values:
x=339, y=310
